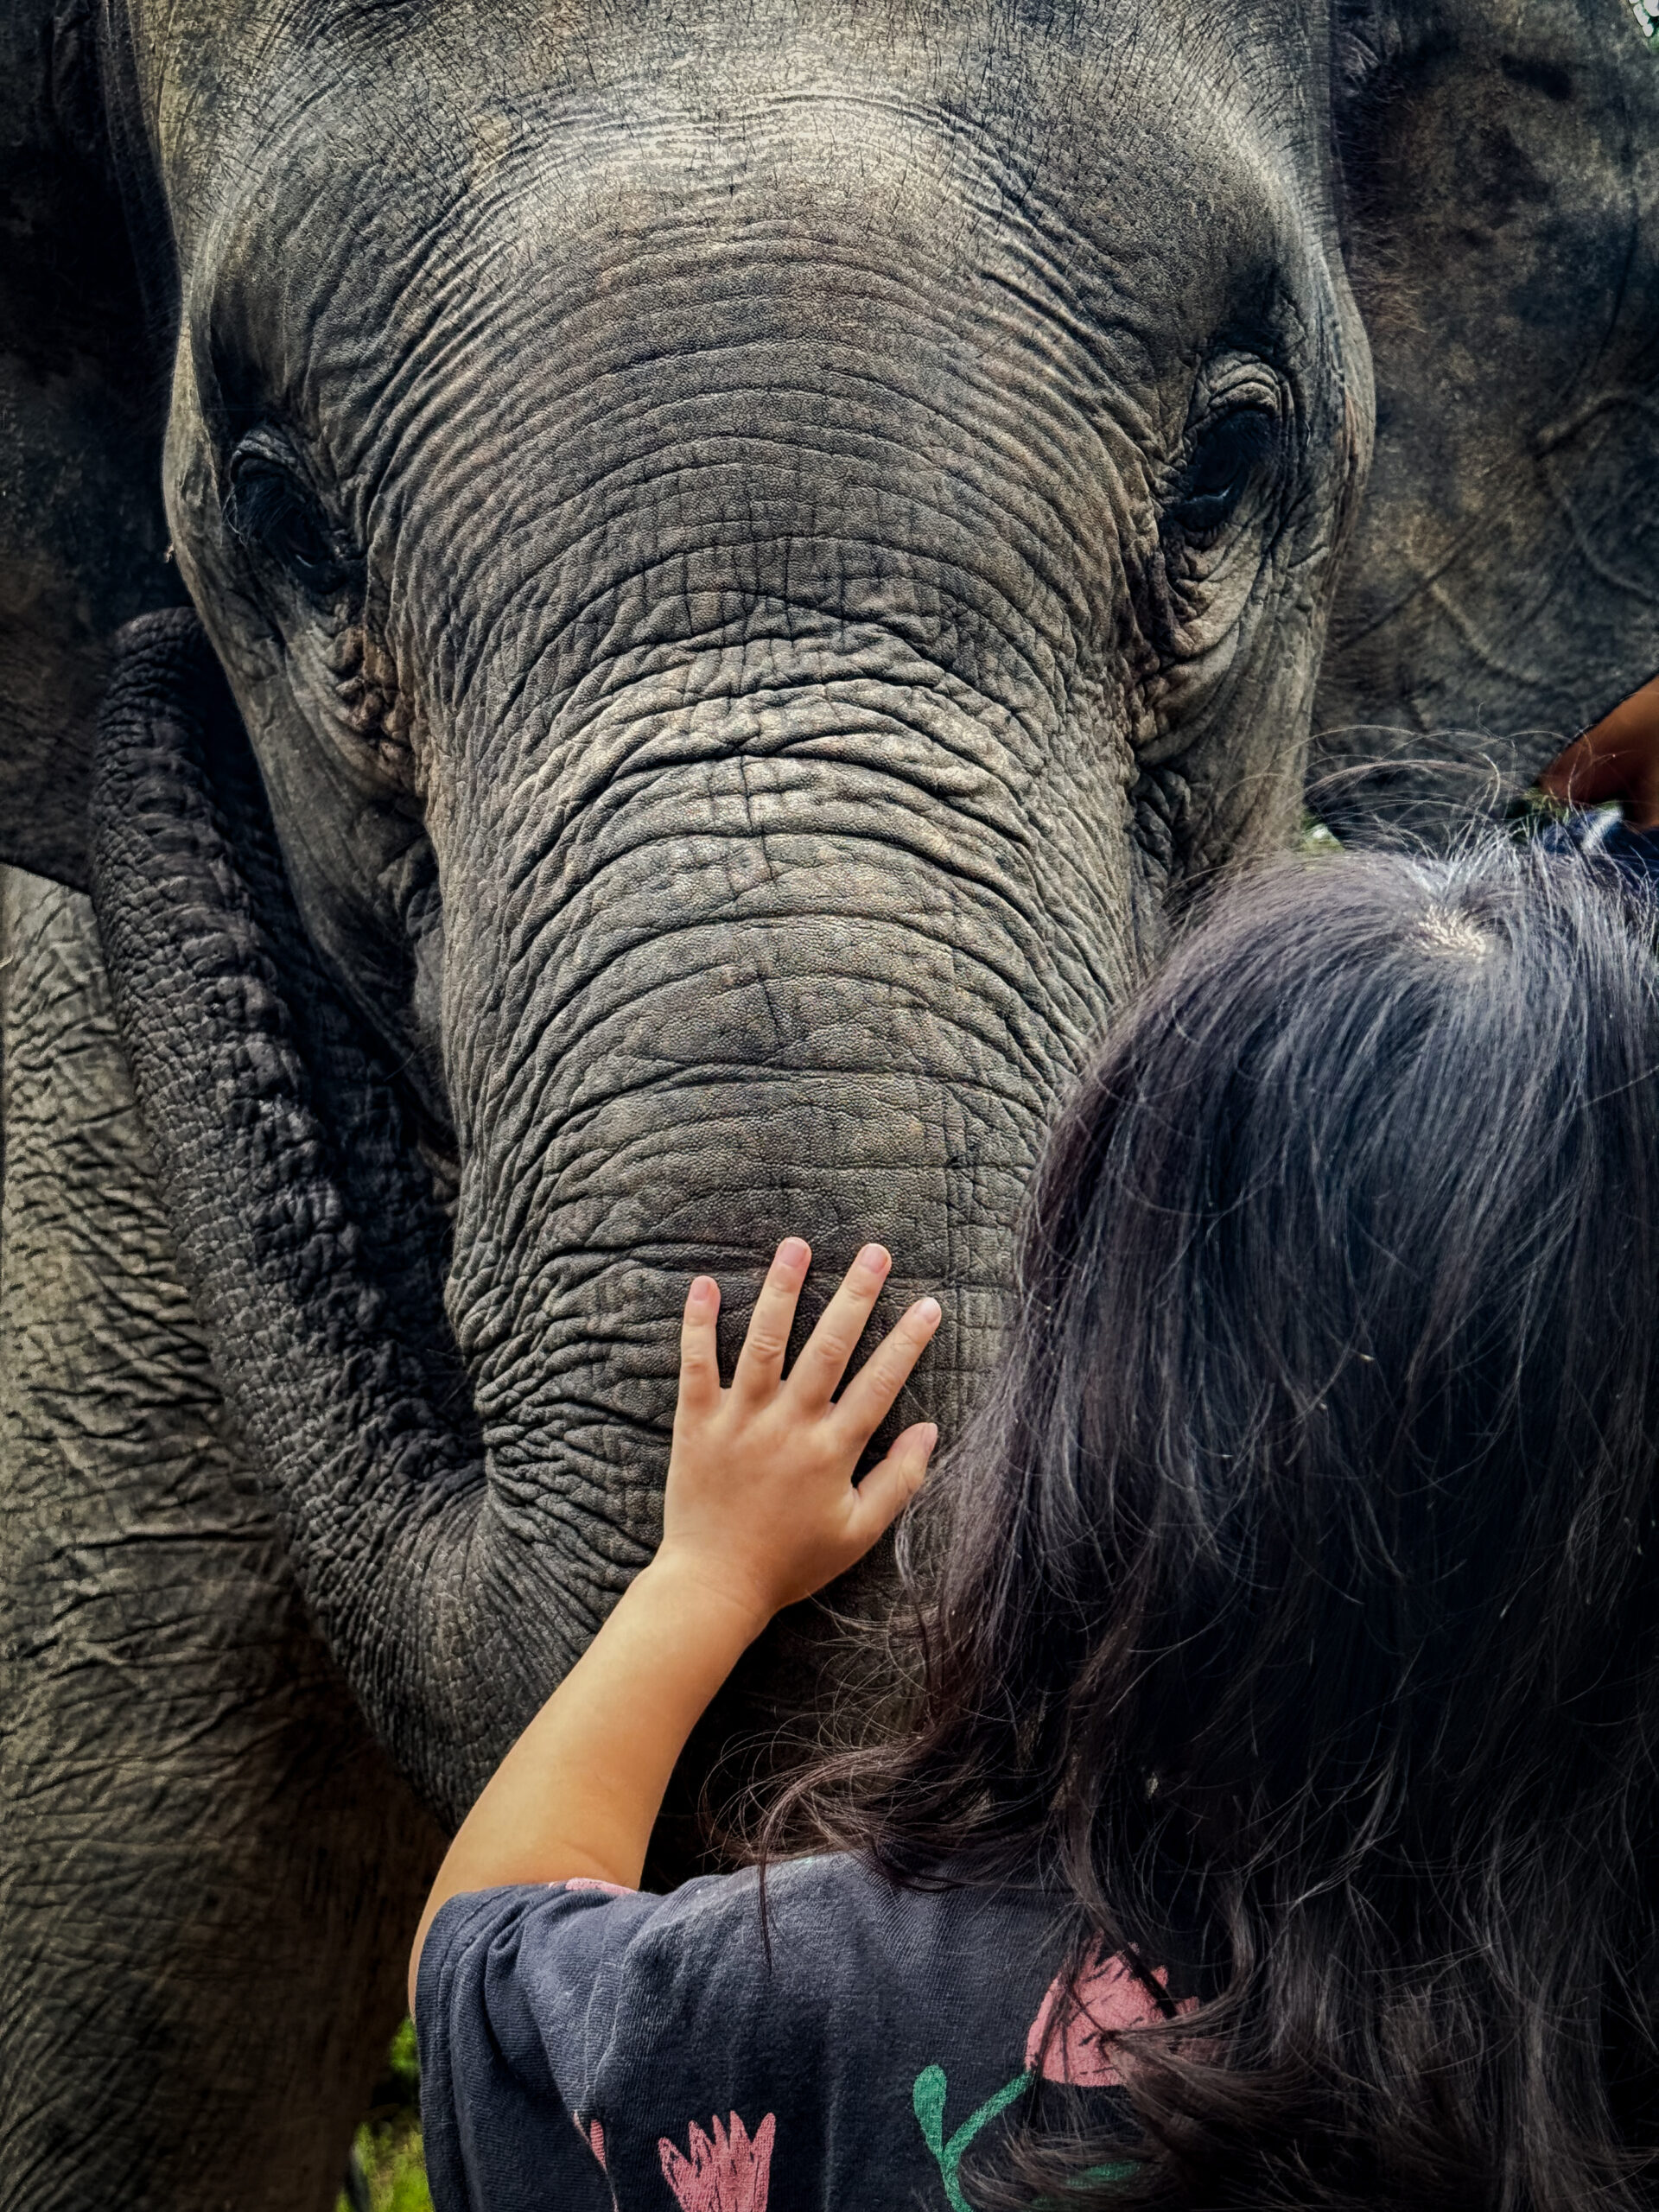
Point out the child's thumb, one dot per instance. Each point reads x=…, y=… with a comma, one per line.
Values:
x=889, y=1487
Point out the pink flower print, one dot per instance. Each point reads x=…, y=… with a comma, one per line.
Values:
x=1068, y=2036
x=593, y=2134
x=731, y=2174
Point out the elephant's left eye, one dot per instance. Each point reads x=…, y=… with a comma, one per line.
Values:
x=1234, y=454
x=277, y=515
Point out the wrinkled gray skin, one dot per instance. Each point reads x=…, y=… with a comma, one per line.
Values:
x=759, y=552
x=208, y=1862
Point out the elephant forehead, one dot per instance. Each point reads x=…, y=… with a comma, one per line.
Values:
x=438, y=82
x=414, y=161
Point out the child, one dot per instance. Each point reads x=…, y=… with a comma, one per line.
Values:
x=1278, y=1825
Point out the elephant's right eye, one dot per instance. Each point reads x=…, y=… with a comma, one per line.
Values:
x=1236, y=453
x=277, y=516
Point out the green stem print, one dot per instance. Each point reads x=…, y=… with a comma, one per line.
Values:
x=927, y=2098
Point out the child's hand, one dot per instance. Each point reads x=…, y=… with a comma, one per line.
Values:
x=760, y=1500
x=759, y=1510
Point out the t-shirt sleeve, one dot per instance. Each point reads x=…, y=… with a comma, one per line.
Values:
x=514, y=2009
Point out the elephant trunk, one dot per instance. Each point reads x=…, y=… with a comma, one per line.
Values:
x=805, y=954
x=770, y=990
x=746, y=996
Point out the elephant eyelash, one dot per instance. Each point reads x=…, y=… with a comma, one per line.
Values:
x=273, y=513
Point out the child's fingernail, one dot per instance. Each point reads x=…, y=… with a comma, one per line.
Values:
x=704, y=1289
x=794, y=1252
x=875, y=1256
x=928, y=1311
x=928, y=1438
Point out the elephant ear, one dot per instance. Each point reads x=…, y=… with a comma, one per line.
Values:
x=83, y=536
x=1499, y=175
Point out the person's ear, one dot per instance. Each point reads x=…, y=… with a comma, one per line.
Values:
x=83, y=536
x=1499, y=172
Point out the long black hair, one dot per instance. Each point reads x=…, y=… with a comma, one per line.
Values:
x=1297, y=1602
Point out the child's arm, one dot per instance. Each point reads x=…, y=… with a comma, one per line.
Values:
x=759, y=1510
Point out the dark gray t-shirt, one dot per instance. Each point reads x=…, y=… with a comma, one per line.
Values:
x=583, y=2047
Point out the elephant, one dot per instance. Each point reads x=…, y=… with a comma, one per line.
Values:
x=622, y=630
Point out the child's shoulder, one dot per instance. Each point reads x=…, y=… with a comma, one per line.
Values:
x=838, y=1904
x=812, y=1938
x=798, y=1897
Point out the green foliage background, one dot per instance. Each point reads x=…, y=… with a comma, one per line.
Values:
x=389, y=2173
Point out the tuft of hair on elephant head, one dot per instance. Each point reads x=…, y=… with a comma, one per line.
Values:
x=748, y=557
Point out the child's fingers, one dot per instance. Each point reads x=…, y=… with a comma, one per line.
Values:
x=823, y=1358
x=699, y=1360
x=889, y=1488
x=761, y=1360
x=879, y=1381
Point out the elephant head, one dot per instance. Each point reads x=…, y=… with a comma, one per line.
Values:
x=758, y=552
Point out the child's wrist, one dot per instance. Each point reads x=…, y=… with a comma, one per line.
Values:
x=707, y=1593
